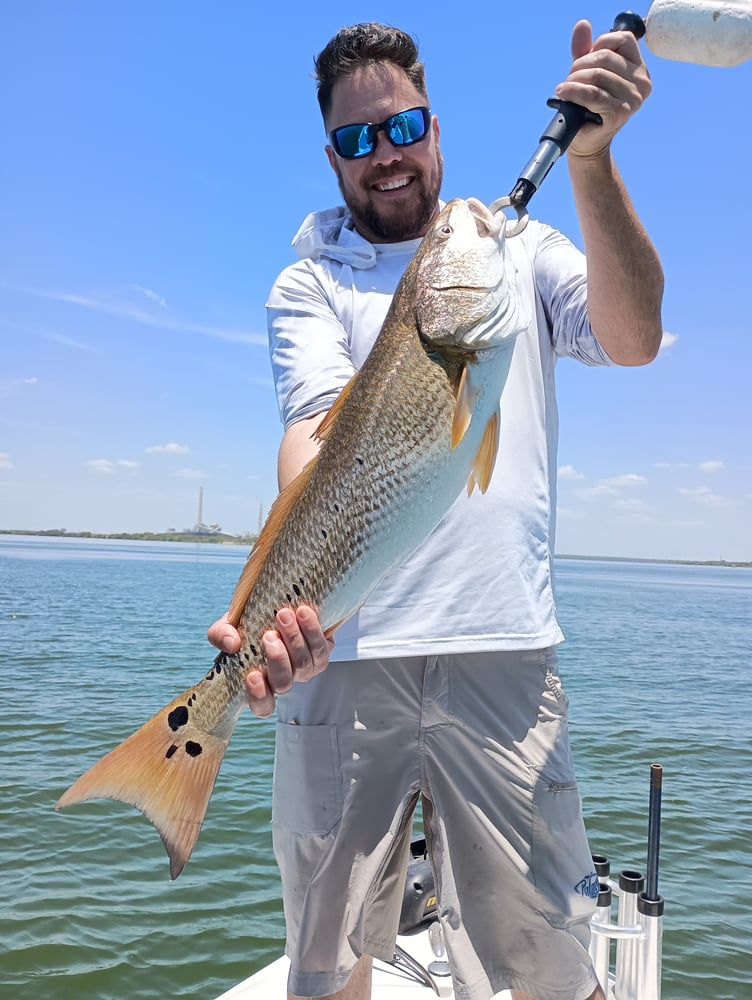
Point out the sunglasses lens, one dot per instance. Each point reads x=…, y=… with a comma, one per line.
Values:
x=403, y=129
x=407, y=127
x=352, y=141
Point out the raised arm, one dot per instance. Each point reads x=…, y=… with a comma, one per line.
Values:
x=625, y=278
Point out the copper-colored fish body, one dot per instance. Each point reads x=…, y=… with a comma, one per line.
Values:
x=416, y=424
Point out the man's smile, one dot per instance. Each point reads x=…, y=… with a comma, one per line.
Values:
x=393, y=184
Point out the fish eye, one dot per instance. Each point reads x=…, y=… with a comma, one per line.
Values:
x=446, y=230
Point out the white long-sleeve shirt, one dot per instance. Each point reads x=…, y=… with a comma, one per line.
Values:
x=483, y=580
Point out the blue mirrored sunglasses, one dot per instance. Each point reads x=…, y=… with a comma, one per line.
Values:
x=403, y=129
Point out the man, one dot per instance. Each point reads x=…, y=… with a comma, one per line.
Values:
x=445, y=685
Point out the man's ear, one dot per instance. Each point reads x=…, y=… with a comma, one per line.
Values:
x=331, y=157
x=435, y=127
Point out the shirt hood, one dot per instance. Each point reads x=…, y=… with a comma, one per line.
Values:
x=330, y=234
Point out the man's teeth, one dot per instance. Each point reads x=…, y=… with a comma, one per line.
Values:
x=391, y=185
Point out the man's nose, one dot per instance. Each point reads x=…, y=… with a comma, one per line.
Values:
x=384, y=151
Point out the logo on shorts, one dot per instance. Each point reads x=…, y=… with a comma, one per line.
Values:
x=588, y=886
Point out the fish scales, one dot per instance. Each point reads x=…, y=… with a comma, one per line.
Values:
x=419, y=421
x=364, y=477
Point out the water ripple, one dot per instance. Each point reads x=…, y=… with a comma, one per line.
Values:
x=96, y=640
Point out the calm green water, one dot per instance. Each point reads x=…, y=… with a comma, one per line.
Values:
x=95, y=636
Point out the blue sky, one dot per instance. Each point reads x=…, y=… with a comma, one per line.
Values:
x=159, y=156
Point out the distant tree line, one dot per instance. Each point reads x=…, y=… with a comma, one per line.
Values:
x=140, y=536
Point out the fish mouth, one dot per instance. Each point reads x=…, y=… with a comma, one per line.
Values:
x=486, y=222
x=480, y=289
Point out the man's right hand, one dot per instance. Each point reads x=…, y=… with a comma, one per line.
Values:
x=296, y=651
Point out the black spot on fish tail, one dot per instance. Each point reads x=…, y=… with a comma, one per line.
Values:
x=218, y=668
x=323, y=532
x=254, y=650
x=193, y=749
x=289, y=598
x=177, y=718
x=336, y=507
x=296, y=588
x=172, y=750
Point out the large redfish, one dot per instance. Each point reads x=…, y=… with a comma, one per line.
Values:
x=419, y=421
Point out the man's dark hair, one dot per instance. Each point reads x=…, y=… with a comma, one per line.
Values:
x=365, y=45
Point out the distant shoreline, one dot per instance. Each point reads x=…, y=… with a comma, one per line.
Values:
x=222, y=539
x=212, y=538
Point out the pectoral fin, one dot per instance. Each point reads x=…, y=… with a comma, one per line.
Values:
x=485, y=458
x=463, y=410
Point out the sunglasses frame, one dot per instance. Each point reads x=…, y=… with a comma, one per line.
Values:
x=380, y=127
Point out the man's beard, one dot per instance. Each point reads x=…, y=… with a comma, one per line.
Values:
x=403, y=221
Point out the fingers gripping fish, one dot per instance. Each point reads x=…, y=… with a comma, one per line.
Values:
x=415, y=425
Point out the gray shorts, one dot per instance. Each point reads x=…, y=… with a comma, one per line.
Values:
x=483, y=738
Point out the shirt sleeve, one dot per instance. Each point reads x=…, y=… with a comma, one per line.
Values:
x=309, y=346
x=561, y=282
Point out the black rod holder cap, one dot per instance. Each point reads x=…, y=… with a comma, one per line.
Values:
x=602, y=865
x=650, y=907
x=631, y=881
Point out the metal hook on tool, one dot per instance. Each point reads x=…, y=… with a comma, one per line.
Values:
x=512, y=227
x=555, y=141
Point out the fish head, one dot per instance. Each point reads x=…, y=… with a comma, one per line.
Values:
x=466, y=291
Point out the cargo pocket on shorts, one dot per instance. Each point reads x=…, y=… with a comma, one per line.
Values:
x=307, y=779
x=562, y=865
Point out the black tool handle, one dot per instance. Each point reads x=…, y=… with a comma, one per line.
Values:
x=563, y=127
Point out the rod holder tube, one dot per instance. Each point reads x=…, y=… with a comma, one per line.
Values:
x=631, y=884
x=650, y=915
x=600, y=941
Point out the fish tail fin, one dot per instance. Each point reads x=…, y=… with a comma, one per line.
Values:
x=167, y=770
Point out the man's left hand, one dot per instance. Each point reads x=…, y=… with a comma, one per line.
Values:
x=608, y=76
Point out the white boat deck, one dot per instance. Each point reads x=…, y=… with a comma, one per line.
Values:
x=394, y=983
x=389, y=983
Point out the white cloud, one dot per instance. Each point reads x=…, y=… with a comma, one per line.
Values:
x=712, y=466
x=671, y=465
x=569, y=472
x=150, y=295
x=168, y=449
x=601, y=490
x=668, y=340
x=104, y=466
x=612, y=487
x=705, y=496
x=5, y=462
x=108, y=467
x=632, y=505
x=75, y=345
x=626, y=481
x=10, y=386
x=191, y=474
x=111, y=305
